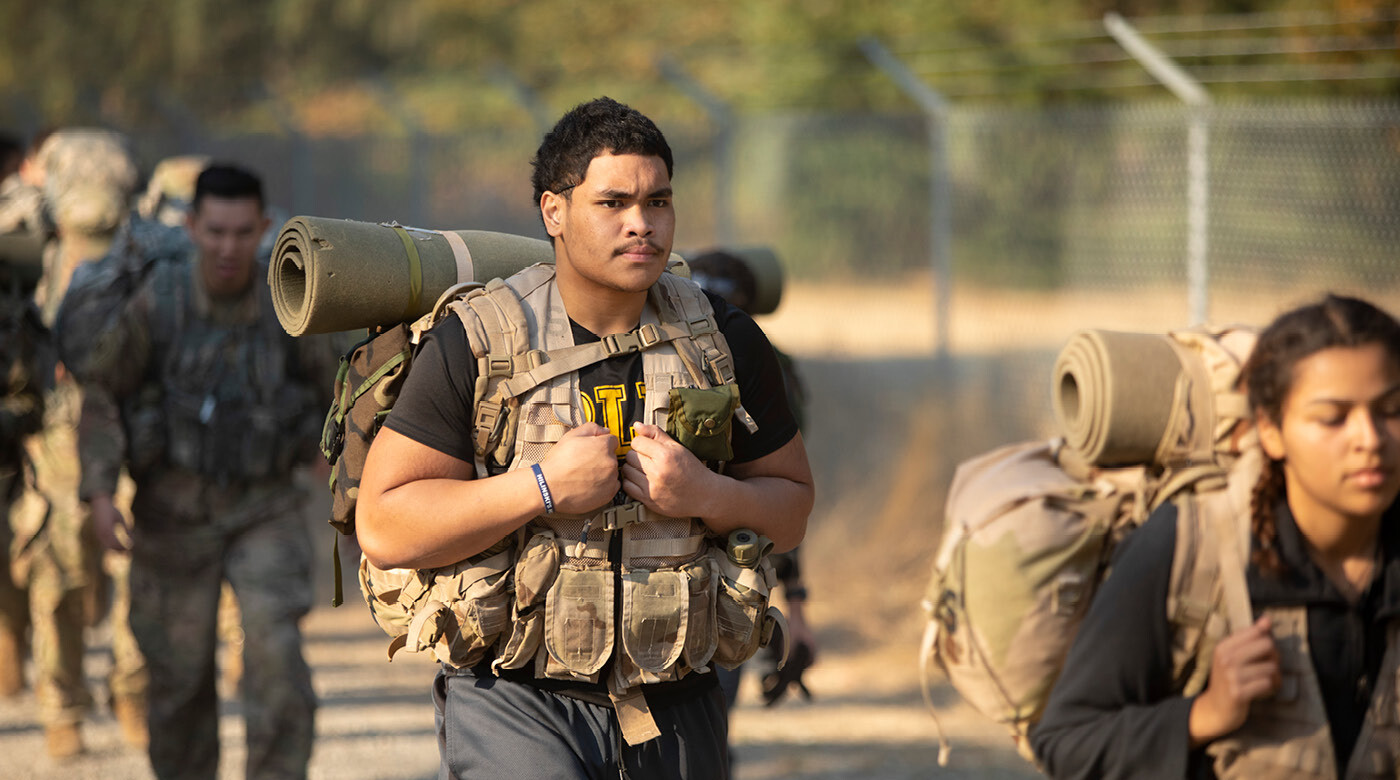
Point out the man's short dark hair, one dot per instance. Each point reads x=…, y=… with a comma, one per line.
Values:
x=600, y=126
x=223, y=180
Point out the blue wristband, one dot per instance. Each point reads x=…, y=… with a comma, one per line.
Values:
x=544, y=489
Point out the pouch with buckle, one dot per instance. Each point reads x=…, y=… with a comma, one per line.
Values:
x=701, y=419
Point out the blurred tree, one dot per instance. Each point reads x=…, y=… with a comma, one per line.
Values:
x=129, y=63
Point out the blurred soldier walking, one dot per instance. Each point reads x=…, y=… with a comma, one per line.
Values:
x=729, y=276
x=227, y=404
x=25, y=227
x=23, y=355
x=87, y=178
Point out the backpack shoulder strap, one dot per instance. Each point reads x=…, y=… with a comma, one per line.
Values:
x=498, y=332
x=706, y=352
x=1208, y=595
x=498, y=329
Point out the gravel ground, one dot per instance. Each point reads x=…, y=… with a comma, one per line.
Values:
x=376, y=723
x=884, y=429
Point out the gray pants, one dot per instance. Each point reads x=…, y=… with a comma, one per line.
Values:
x=489, y=728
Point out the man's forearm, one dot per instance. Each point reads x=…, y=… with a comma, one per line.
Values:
x=775, y=507
x=437, y=522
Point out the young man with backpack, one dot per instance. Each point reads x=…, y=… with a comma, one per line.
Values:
x=622, y=591
x=218, y=405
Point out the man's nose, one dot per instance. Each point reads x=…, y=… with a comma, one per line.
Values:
x=638, y=222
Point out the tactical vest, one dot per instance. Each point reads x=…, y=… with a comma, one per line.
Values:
x=1287, y=735
x=549, y=599
x=231, y=401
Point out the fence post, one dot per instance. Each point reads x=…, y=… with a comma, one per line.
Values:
x=1198, y=103
x=418, y=176
x=719, y=113
x=935, y=107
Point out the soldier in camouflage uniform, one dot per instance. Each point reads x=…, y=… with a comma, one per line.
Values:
x=23, y=348
x=87, y=178
x=24, y=227
x=218, y=405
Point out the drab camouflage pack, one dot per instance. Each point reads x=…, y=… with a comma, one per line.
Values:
x=367, y=384
x=1029, y=529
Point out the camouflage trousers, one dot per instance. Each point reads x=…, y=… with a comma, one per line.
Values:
x=14, y=600
x=60, y=562
x=180, y=559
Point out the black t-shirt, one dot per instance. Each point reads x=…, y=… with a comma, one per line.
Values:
x=435, y=407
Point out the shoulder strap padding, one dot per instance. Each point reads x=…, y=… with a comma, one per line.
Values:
x=498, y=329
x=1208, y=595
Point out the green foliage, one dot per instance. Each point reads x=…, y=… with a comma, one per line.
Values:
x=129, y=63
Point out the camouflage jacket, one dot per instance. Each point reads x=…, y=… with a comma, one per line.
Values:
x=208, y=387
x=24, y=348
x=22, y=207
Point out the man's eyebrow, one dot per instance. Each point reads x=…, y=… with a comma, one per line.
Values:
x=614, y=194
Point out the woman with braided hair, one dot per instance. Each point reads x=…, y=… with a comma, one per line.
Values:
x=1310, y=689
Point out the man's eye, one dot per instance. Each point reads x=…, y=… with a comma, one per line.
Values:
x=660, y=203
x=609, y=204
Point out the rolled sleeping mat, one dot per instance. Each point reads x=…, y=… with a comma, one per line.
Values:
x=1114, y=393
x=330, y=275
x=22, y=258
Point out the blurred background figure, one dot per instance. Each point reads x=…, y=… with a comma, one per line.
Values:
x=22, y=195
x=11, y=155
x=229, y=404
x=732, y=277
x=170, y=190
x=85, y=178
x=24, y=348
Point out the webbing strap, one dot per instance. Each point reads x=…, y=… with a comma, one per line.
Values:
x=580, y=356
x=1234, y=586
x=661, y=548
x=414, y=636
x=1233, y=405
x=373, y=379
x=415, y=272
x=593, y=548
x=926, y=659
x=462, y=255
x=634, y=716
x=339, y=597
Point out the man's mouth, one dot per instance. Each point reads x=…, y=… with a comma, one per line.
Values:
x=640, y=251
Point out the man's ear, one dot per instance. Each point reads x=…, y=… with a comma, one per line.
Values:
x=1270, y=437
x=553, y=208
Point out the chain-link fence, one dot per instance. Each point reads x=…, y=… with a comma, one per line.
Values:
x=1043, y=199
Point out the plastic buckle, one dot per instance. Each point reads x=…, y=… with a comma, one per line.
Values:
x=489, y=422
x=332, y=440
x=535, y=358
x=499, y=366
x=721, y=366
x=622, y=343
x=649, y=335
x=615, y=517
x=700, y=326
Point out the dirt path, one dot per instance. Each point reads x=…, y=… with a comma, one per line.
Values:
x=375, y=722
x=885, y=427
